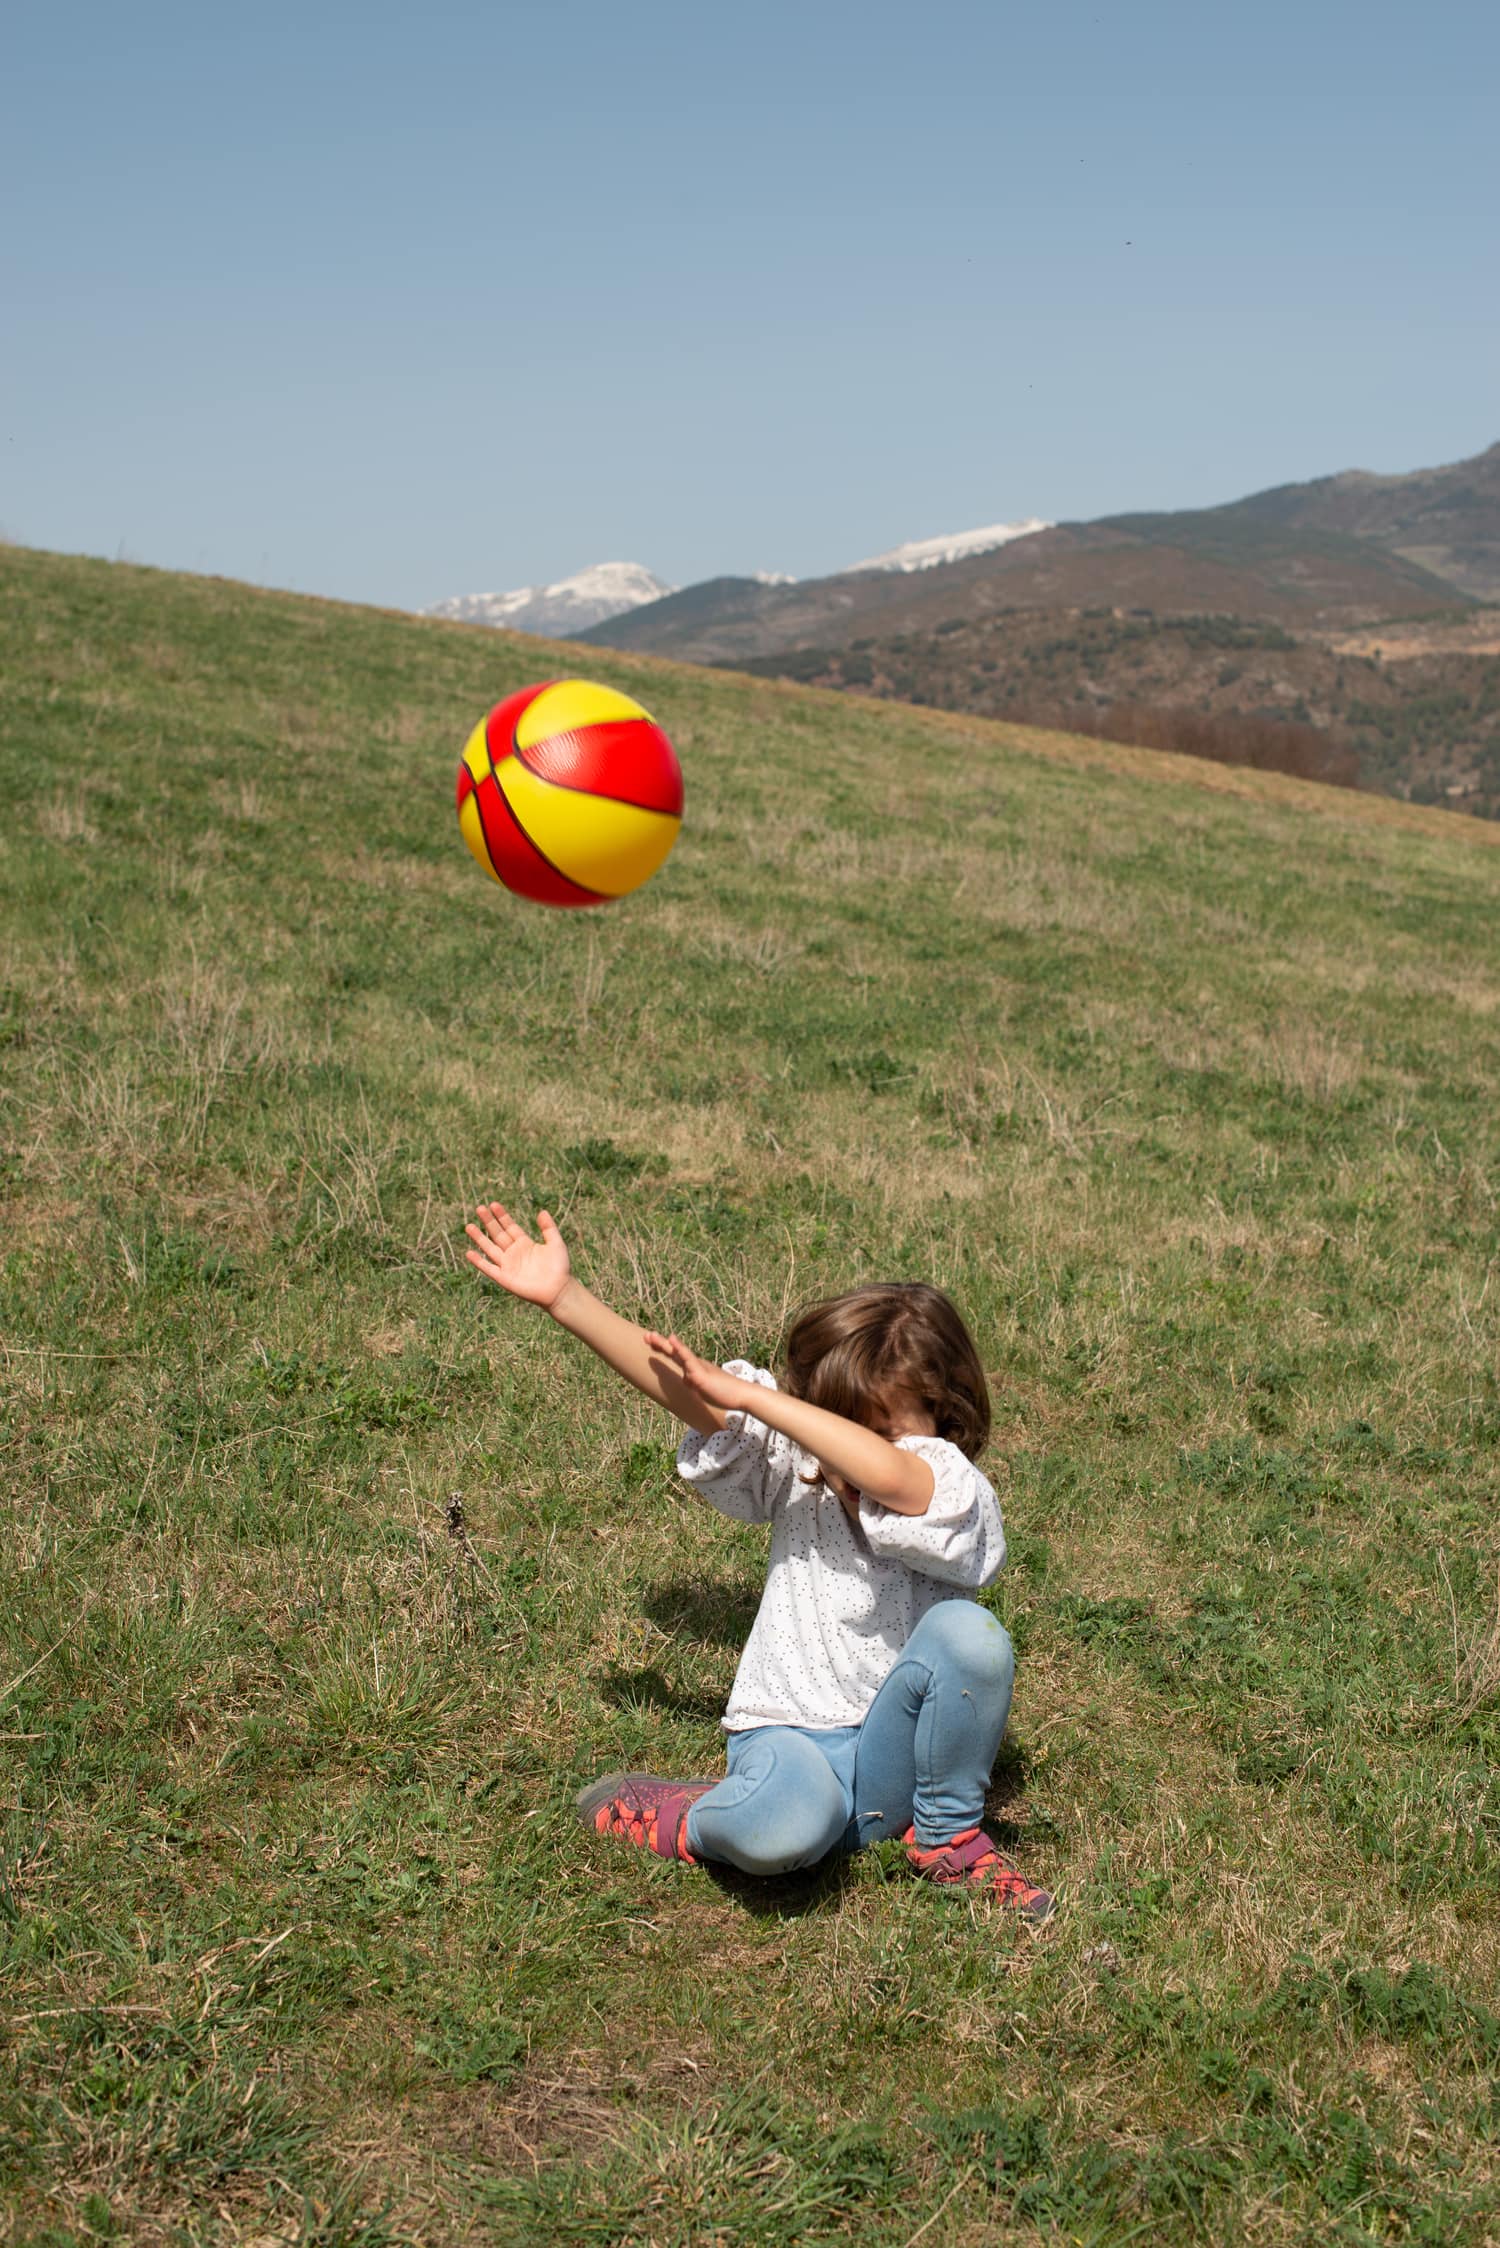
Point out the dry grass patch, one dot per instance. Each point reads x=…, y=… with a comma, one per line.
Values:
x=65, y=819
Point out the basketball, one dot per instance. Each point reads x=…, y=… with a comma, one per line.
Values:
x=569, y=793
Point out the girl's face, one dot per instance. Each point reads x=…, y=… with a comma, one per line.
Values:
x=894, y=1414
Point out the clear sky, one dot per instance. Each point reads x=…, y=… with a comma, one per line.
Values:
x=392, y=303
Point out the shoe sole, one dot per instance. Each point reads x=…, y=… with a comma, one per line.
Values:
x=1037, y=1915
x=1040, y=1909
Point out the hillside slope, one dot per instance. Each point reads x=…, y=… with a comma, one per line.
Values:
x=1181, y=1079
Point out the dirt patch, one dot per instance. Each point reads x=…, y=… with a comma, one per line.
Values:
x=1481, y=637
x=561, y=2106
x=390, y=1341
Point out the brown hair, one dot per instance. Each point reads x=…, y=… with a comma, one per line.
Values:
x=850, y=1353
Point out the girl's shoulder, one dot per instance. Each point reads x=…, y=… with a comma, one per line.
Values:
x=760, y=1375
x=952, y=1468
x=746, y=1468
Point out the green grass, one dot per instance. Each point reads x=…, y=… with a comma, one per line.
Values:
x=1182, y=1081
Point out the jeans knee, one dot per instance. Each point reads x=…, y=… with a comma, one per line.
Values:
x=780, y=1810
x=974, y=1642
x=765, y=1841
x=766, y=1855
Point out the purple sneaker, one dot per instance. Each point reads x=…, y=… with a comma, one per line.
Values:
x=649, y=1812
x=971, y=1861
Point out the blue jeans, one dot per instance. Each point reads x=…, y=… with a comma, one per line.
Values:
x=921, y=1757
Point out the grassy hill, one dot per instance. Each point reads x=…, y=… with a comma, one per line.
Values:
x=1181, y=1078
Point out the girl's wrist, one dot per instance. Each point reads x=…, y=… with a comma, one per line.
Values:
x=742, y=1396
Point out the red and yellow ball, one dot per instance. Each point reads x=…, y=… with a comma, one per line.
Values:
x=569, y=793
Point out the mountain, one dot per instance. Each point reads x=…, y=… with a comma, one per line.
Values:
x=1444, y=520
x=1072, y=566
x=562, y=610
x=1332, y=554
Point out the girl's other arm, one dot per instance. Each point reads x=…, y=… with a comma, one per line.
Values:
x=900, y=1481
x=540, y=1272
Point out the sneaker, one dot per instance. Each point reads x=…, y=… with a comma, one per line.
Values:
x=971, y=1861
x=649, y=1812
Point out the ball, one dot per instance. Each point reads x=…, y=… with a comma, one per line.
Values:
x=569, y=793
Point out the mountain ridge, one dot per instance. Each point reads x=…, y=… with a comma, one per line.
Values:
x=608, y=589
x=1443, y=520
x=1335, y=552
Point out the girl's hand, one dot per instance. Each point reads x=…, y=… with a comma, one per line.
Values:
x=709, y=1382
x=536, y=1271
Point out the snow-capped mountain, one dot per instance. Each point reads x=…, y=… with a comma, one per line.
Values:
x=613, y=589
x=572, y=605
x=926, y=554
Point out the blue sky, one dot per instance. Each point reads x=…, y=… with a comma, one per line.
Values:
x=392, y=305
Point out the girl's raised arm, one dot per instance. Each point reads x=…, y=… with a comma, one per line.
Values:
x=860, y=1457
x=541, y=1273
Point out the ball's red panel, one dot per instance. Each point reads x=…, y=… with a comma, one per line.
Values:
x=629, y=759
x=516, y=860
x=500, y=726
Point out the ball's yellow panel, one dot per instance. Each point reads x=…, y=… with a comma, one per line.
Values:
x=476, y=755
x=604, y=845
x=471, y=830
x=568, y=704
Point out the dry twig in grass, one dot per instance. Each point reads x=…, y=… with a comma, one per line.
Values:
x=1476, y=1677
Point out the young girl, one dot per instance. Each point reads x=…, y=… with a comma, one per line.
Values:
x=873, y=1691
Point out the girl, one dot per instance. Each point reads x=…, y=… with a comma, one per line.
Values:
x=873, y=1692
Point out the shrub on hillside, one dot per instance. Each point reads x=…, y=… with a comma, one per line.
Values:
x=1272, y=745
